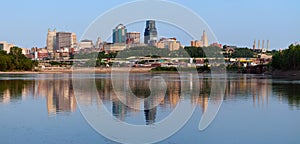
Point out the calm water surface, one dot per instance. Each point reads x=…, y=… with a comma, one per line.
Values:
x=42, y=109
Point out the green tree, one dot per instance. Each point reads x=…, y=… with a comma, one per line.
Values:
x=15, y=60
x=3, y=65
x=195, y=52
x=288, y=59
x=242, y=53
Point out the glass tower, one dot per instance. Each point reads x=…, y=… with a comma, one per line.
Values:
x=150, y=32
x=119, y=34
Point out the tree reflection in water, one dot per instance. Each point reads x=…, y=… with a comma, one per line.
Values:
x=58, y=91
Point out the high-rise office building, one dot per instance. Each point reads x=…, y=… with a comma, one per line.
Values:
x=51, y=40
x=150, y=32
x=63, y=40
x=133, y=38
x=119, y=34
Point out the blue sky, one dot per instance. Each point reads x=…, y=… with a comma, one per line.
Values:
x=234, y=22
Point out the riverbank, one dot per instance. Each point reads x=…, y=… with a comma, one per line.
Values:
x=290, y=74
x=30, y=72
x=83, y=70
x=293, y=75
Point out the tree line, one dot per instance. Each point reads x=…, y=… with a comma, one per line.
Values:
x=199, y=52
x=193, y=52
x=154, y=52
x=288, y=59
x=15, y=61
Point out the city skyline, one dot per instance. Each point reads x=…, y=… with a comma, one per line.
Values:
x=120, y=35
x=233, y=22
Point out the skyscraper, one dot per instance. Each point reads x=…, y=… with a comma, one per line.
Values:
x=63, y=40
x=51, y=40
x=150, y=32
x=133, y=38
x=119, y=34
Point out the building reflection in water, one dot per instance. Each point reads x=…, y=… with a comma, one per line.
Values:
x=56, y=89
x=243, y=86
x=58, y=92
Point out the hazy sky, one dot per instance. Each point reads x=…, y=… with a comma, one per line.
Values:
x=234, y=22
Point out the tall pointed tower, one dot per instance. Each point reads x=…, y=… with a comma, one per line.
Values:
x=204, y=39
x=98, y=43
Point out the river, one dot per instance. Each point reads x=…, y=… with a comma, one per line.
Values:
x=42, y=108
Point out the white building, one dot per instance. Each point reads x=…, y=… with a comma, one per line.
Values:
x=85, y=44
x=109, y=47
x=25, y=51
x=6, y=46
x=169, y=43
